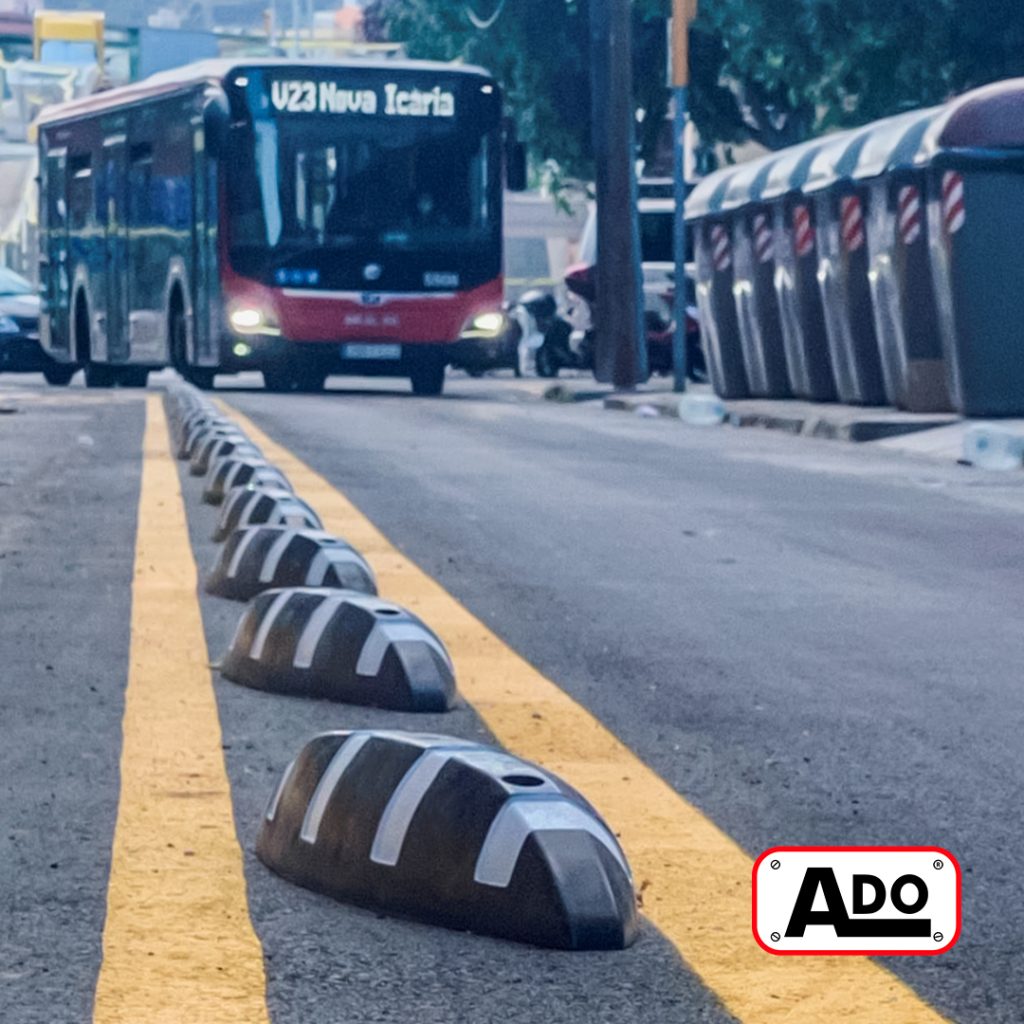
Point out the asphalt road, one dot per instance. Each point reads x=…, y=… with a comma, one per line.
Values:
x=811, y=642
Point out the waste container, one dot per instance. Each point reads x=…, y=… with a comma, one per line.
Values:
x=753, y=286
x=840, y=207
x=899, y=269
x=801, y=315
x=712, y=239
x=973, y=154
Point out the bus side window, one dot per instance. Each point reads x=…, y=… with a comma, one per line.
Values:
x=80, y=197
x=139, y=178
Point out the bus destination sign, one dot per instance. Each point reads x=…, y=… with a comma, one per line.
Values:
x=318, y=97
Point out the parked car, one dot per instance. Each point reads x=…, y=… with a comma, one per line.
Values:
x=20, y=351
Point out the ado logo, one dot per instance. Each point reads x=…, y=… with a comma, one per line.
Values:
x=856, y=900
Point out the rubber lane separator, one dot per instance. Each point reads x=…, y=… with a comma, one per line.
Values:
x=696, y=879
x=178, y=943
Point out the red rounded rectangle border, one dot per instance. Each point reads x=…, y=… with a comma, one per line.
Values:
x=867, y=857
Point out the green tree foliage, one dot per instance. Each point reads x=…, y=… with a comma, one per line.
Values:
x=775, y=71
x=803, y=66
x=540, y=51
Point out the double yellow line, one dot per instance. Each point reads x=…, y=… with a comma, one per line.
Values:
x=695, y=879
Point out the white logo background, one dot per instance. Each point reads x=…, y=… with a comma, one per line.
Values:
x=779, y=874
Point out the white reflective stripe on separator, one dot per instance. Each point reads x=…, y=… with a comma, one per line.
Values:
x=274, y=555
x=276, y=798
x=518, y=818
x=236, y=638
x=236, y=559
x=250, y=506
x=306, y=647
x=325, y=558
x=384, y=634
x=343, y=757
x=394, y=822
x=256, y=651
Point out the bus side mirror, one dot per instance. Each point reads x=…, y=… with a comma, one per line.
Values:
x=216, y=120
x=515, y=167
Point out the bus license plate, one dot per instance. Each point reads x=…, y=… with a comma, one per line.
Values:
x=359, y=350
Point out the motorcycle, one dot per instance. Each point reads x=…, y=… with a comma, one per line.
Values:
x=659, y=324
x=527, y=335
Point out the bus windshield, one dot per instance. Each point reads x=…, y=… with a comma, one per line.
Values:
x=322, y=181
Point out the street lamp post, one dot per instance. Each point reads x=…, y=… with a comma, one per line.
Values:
x=683, y=12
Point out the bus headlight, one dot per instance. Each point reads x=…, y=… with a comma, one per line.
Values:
x=485, y=325
x=252, y=320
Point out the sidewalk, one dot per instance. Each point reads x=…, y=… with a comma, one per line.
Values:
x=933, y=435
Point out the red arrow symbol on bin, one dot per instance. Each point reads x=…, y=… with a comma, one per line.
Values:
x=954, y=214
x=852, y=215
x=764, y=243
x=909, y=204
x=721, y=250
x=803, y=231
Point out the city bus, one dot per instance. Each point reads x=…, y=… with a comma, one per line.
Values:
x=302, y=219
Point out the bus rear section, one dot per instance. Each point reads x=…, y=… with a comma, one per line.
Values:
x=294, y=218
x=361, y=219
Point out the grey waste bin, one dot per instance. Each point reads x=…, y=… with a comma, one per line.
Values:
x=903, y=296
x=973, y=152
x=801, y=314
x=840, y=209
x=757, y=305
x=712, y=240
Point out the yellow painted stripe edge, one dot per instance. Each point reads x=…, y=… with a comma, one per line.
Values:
x=178, y=943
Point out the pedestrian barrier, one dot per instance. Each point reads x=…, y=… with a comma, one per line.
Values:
x=909, y=228
x=801, y=315
x=757, y=305
x=723, y=348
x=973, y=156
x=452, y=833
x=254, y=506
x=267, y=557
x=218, y=445
x=320, y=642
x=234, y=470
x=839, y=204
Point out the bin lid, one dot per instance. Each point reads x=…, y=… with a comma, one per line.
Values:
x=789, y=170
x=748, y=183
x=893, y=143
x=989, y=118
x=708, y=194
x=836, y=161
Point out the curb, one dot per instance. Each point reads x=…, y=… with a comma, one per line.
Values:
x=839, y=423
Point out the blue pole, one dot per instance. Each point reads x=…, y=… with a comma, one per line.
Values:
x=679, y=367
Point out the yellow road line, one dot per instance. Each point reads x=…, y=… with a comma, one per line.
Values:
x=178, y=944
x=696, y=879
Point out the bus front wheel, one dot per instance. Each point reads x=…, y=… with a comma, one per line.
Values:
x=428, y=380
x=59, y=374
x=98, y=375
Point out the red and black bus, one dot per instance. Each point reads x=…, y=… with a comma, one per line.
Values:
x=296, y=218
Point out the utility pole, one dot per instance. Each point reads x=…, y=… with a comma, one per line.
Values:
x=621, y=350
x=683, y=12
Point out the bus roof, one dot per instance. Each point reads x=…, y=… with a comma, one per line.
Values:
x=215, y=72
